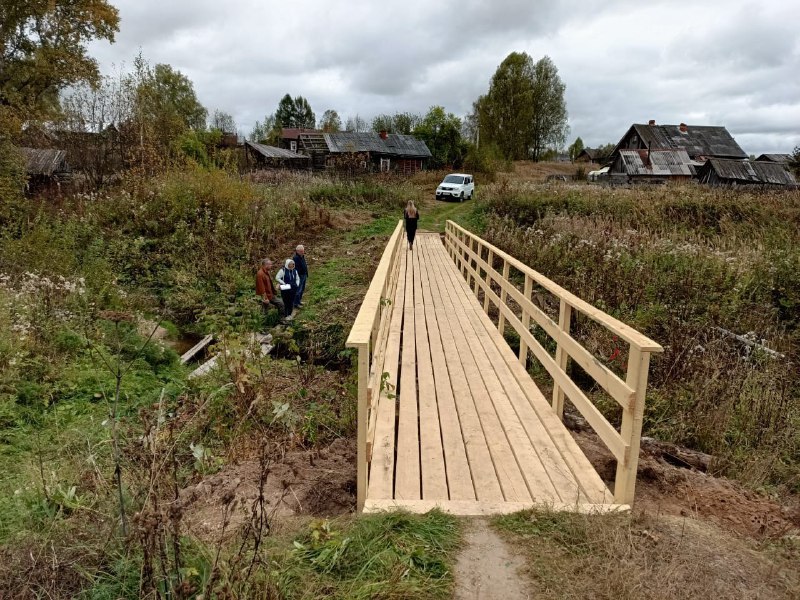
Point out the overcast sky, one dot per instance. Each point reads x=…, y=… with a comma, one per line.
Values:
x=718, y=62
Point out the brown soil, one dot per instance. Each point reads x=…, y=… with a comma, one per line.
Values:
x=665, y=489
x=318, y=483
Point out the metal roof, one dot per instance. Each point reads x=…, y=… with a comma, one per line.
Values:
x=697, y=140
x=776, y=158
x=661, y=163
x=44, y=161
x=395, y=144
x=746, y=171
x=275, y=152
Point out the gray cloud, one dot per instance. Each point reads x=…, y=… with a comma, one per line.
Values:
x=729, y=63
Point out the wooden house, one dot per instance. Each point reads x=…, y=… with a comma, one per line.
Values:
x=46, y=168
x=290, y=137
x=781, y=159
x=260, y=156
x=721, y=171
x=589, y=155
x=367, y=152
x=700, y=142
x=652, y=166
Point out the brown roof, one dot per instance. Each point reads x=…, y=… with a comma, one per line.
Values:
x=292, y=133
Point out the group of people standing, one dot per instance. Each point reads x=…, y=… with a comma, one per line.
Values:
x=291, y=279
x=292, y=276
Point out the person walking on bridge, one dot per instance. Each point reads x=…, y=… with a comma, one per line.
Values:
x=411, y=216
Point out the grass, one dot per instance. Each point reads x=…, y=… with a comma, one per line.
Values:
x=393, y=555
x=633, y=556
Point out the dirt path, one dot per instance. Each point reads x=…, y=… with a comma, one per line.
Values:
x=486, y=568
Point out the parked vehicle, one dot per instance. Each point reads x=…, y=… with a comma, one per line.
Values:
x=599, y=174
x=459, y=186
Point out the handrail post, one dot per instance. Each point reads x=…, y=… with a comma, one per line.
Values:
x=475, y=284
x=362, y=424
x=631, y=430
x=526, y=321
x=501, y=322
x=564, y=319
x=489, y=262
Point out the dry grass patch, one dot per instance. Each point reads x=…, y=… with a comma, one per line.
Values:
x=644, y=556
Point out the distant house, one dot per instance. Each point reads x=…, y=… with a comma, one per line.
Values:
x=782, y=159
x=696, y=144
x=589, y=155
x=365, y=151
x=700, y=142
x=290, y=137
x=45, y=168
x=652, y=165
x=260, y=156
x=721, y=171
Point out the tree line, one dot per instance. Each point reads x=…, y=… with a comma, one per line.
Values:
x=149, y=116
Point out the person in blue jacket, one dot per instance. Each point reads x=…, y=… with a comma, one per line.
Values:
x=302, y=271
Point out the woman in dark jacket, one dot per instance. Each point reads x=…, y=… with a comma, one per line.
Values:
x=290, y=281
x=411, y=215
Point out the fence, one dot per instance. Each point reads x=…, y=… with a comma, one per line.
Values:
x=368, y=335
x=476, y=260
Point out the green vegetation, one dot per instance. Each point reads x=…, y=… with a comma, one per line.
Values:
x=393, y=555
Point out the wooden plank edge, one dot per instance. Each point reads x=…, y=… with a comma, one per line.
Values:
x=187, y=356
x=470, y=508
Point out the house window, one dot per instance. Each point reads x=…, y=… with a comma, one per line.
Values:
x=384, y=165
x=293, y=146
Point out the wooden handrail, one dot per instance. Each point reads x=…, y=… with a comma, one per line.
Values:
x=467, y=249
x=368, y=336
x=626, y=332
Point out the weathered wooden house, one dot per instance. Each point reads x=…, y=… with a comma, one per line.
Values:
x=589, y=155
x=365, y=152
x=694, y=144
x=290, y=137
x=700, y=142
x=652, y=166
x=781, y=159
x=721, y=171
x=260, y=156
x=46, y=168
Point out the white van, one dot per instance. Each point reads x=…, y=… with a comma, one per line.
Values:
x=460, y=186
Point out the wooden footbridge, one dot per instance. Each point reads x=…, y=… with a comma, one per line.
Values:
x=448, y=415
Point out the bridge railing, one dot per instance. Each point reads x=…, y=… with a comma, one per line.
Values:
x=476, y=259
x=369, y=335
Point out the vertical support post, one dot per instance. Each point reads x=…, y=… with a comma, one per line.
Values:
x=475, y=284
x=526, y=321
x=564, y=319
x=631, y=430
x=501, y=322
x=363, y=385
x=489, y=263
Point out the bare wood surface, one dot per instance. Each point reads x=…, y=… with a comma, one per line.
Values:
x=434, y=481
x=479, y=509
x=512, y=480
x=459, y=477
x=407, y=472
x=381, y=471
